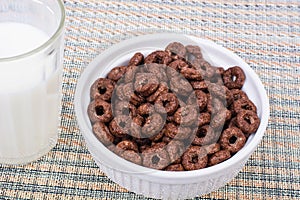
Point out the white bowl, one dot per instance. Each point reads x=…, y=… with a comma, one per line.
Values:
x=156, y=183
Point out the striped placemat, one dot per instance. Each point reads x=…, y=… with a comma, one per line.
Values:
x=266, y=34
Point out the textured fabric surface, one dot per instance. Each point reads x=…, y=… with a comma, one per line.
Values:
x=266, y=34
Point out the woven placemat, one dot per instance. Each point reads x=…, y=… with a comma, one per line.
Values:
x=266, y=34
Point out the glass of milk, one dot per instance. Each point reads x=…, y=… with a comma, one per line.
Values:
x=31, y=55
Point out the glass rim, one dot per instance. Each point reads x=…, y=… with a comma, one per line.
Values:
x=43, y=46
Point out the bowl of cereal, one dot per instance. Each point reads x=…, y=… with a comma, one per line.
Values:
x=170, y=116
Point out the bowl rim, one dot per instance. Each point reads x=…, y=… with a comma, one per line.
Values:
x=243, y=154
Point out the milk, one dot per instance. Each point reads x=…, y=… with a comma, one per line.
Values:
x=29, y=95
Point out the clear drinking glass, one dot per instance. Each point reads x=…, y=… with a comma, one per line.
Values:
x=31, y=61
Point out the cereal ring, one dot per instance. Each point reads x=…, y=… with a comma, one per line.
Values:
x=176, y=49
x=123, y=91
x=137, y=59
x=166, y=103
x=145, y=109
x=132, y=156
x=177, y=65
x=131, y=71
x=201, y=99
x=203, y=119
x=116, y=73
x=135, y=126
x=221, y=92
x=175, y=150
x=180, y=86
x=123, y=108
x=162, y=89
x=145, y=84
x=218, y=157
x=232, y=139
x=194, y=158
x=186, y=116
x=205, y=68
x=175, y=167
x=193, y=52
x=191, y=74
x=99, y=110
x=247, y=121
x=153, y=125
x=218, y=119
x=127, y=145
x=212, y=148
x=102, y=133
x=102, y=88
x=155, y=158
x=177, y=132
x=234, y=78
x=119, y=126
x=160, y=57
x=238, y=94
x=199, y=85
x=243, y=104
x=205, y=135
x=136, y=99
x=157, y=70
x=157, y=137
x=214, y=105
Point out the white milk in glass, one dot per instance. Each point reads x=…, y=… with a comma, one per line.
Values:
x=29, y=95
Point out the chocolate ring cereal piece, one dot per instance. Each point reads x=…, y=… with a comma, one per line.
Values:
x=232, y=139
x=124, y=108
x=247, y=121
x=157, y=137
x=135, y=126
x=99, y=110
x=176, y=49
x=129, y=76
x=166, y=103
x=157, y=70
x=199, y=85
x=205, y=135
x=203, y=119
x=128, y=145
x=221, y=92
x=102, y=88
x=155, y=158
x=160, y=57
x=193, y=52
x=218, y=157
x=123, y=91
x=243, y=104
x=191, y=73
x=194, y=158
x=238, y=94
x=145, y=84
x=201, y=99
x=180, y=86
x=178, y=132
x=175, y=167
x=119, y=126
x=136, y=99
x=153, y=125
x=234, y=78
x=175, y=150
x=162, y=89
x=206, y=69
x=214, y=105
x=177, y=65
x=218, y=119
x=145, y=109
x=232, y=123
x=116, y=73
x=186, y=116
x=132, y=156
x=137, y=59
x=102, y=133
x=212, y=148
